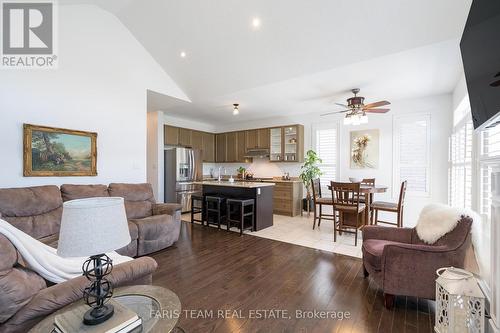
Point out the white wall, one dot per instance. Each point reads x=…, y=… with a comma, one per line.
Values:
x=100, y=85
x=155, y=163
x=187, y=123
x=438, y=107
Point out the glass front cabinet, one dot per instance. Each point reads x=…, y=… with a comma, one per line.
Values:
x=287, y=144
x=276, y=143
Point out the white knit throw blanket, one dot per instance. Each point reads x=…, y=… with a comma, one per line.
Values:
x=44, y=260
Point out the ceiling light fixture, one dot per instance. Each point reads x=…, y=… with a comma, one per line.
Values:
x=256, y=23
x=183, y=54
x=235, y=109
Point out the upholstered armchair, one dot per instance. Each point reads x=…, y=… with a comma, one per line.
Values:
x=402, y=264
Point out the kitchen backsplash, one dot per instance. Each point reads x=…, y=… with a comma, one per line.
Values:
x=261, y=167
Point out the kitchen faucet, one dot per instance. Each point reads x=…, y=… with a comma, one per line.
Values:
x=219, y=178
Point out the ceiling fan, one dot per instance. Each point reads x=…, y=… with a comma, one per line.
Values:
x=356, y=110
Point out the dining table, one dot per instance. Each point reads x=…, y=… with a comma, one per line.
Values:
x=368, y=191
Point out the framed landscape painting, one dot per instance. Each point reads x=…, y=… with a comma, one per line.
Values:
x=365, y=149
x=50, y=151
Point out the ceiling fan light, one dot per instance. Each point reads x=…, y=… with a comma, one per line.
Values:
x=363, y=119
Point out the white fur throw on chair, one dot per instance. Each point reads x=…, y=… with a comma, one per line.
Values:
x=436, y=220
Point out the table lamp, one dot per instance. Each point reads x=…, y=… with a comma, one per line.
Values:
x=90, y=228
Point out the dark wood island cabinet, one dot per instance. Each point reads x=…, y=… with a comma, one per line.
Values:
x=262, y=193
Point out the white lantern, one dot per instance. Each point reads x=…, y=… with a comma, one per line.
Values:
x=459, y=302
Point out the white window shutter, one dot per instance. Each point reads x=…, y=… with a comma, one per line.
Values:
x=460, y=165
x=412, y=153
x=326, y=145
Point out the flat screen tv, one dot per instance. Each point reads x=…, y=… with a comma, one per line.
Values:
x=480, y=46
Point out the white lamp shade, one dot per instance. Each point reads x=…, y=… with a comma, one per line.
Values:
x=93, y=226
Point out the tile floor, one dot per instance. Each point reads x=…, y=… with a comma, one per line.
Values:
x=298, y=230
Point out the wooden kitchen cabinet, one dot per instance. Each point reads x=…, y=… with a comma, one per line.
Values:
x=293, y=143
x=171, y=135
x=263, y=135
x=231, y=147
x=241, y=147
x=287, y=144
x=197, y=140
x=257, y=138
x=208, y=147
x=287, y=198
x=185, y=137
x=276, y=144
x=220, y=147
x=251, y=139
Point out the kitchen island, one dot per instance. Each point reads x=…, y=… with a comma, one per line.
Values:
x=262, y=193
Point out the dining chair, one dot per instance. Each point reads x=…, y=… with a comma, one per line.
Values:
x=346, y=203
x=367, y=182
x=391, y=207
x=319, y=202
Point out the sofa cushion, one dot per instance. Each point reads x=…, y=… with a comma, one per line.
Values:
x=139, y=198
x=52, y=240
x=29, y=201
x=372, y=251
x=8, y=254
x=35, y=210
x=72, y=192
x=17, y=287
x=156, y=232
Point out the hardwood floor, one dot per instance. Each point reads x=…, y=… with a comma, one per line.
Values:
x=215, y=270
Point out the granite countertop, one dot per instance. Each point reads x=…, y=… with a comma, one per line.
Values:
x=279, y=180
x=257, y=180
x=244, y=184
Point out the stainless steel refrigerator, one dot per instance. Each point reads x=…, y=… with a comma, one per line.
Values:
x=183, y=167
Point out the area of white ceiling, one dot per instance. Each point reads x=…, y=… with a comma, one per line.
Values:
x=305, y=54
x=430, y=70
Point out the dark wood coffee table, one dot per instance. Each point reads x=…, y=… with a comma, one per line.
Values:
x=149, y=302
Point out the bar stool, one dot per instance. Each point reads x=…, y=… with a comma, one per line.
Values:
x=238, y=206
x=215, y=206
x=197, y=208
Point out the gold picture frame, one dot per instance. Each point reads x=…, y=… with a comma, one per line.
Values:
x=58, y=152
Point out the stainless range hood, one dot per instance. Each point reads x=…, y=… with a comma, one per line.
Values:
x=251, y=153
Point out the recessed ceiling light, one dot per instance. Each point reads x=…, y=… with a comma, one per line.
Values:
x=235, y=109
x=256, y=23
x=183, y=54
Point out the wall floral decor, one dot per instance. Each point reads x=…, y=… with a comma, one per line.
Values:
x=50, y=151
x=365, y=149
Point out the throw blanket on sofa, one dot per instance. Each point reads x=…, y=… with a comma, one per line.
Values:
x=44, y=260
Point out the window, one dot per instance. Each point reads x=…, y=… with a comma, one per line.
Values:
x=412, y=153
x=489, y=155
x=460, y=164
x=325, y=142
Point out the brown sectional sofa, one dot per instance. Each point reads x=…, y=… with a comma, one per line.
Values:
x=25, y=297
x=153, y=226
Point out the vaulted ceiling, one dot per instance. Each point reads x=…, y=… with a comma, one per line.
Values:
x=305, y=54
